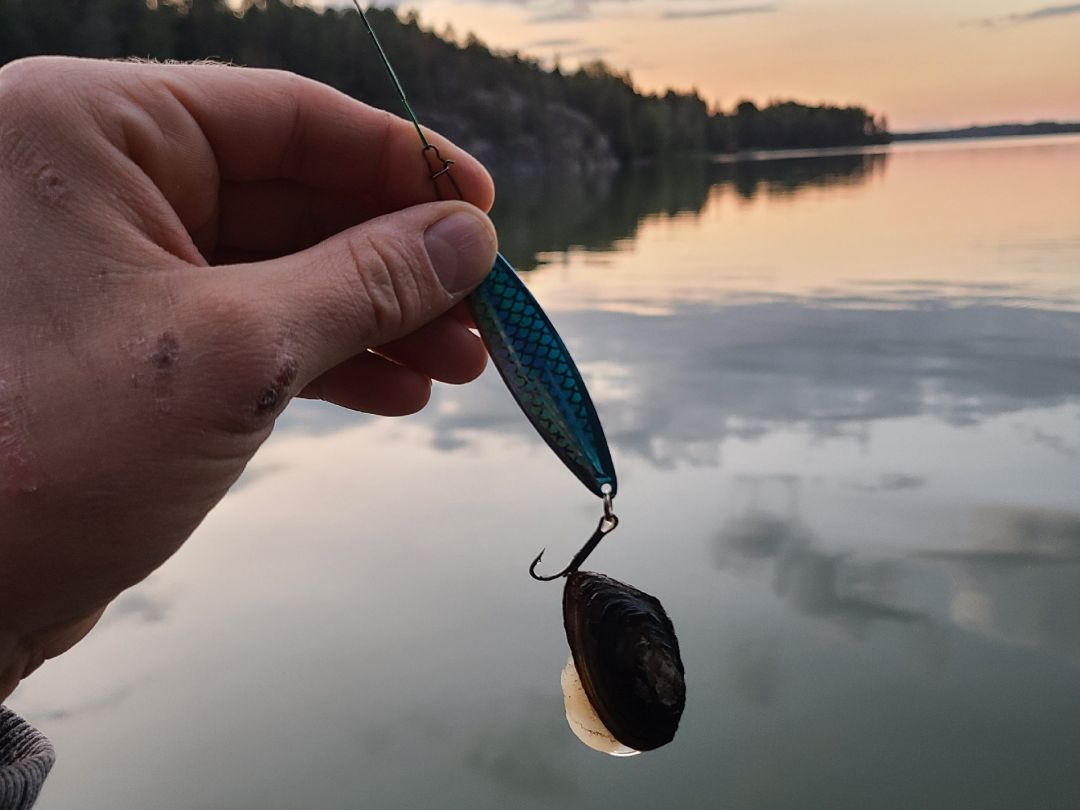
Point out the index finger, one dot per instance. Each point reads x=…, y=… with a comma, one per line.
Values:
x=268, y=124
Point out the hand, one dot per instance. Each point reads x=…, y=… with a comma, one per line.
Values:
x=179, y=256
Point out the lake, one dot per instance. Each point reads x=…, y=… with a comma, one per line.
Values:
x=843, y=396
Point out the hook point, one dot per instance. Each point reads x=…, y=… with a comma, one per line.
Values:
x=536, y=562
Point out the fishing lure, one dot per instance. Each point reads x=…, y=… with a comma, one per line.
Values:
x=531, y=358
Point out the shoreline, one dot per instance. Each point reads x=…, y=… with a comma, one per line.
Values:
x=922, y=144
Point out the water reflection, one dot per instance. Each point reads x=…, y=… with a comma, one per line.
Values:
x=551, y=212
x=787, y=176
x=523, y=752
x=851, y=588
x=1019, y=582
x=101, y=704
x=1012, y=574
x=683, y=384
x=756, y=674
x=142, y=605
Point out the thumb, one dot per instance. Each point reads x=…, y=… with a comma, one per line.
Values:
x=379, y=281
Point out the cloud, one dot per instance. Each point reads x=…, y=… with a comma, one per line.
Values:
x=891, y=482
x=586, y=53
x=1044, y=13
x=553, y=43
x=574, y=10
x=1049, y=11
x=139, y=604
x=569, y=15
x=731, y=11
x=92, y=705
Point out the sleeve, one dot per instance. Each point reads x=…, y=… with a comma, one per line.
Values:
x=26, y=756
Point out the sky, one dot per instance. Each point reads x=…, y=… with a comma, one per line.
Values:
x=922, y=63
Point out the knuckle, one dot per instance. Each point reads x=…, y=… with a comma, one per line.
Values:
x=24, y=83
x=228, y=317
x=377, y=266
x=248, y=368
x=34, y=114
x=19, y=77
x=17, y=91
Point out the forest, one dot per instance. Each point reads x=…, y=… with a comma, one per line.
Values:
x=500, y=105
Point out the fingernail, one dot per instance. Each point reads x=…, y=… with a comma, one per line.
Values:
x=461, y=249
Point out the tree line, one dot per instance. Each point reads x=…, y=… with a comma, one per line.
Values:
x=462, y=86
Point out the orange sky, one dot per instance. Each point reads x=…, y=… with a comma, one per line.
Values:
x=924, y=63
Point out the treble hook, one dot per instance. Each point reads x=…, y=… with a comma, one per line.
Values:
x=606, y=525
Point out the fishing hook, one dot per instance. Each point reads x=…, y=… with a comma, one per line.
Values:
x=607, y=524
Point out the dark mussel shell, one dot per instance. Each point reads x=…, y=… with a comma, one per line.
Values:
x=627, y=657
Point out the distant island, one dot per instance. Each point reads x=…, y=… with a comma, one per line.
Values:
x=507, y=109
x=992, y=131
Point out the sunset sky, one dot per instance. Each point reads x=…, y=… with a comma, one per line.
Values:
x=923, y=63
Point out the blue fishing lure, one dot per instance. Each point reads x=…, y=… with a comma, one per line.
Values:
x=537, y=368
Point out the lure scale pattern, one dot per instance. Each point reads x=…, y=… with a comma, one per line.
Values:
x=537, y=368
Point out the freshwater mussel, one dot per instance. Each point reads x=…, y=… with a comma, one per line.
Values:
x=625, y=659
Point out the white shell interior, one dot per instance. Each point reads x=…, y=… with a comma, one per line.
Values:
x=583, y=719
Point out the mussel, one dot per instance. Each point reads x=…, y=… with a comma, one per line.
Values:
x=625, y=659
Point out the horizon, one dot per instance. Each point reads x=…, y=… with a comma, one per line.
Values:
x=924, y=66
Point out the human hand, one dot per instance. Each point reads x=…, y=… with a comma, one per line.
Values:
x=179, y=256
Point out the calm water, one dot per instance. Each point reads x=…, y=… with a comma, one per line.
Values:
x=843, y=394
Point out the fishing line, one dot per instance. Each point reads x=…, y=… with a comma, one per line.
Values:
x=442, y=167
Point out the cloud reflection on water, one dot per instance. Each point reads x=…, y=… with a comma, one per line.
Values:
x=685, y=383
x=1011, y=576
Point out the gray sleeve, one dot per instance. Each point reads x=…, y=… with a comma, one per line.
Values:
x=25, y=759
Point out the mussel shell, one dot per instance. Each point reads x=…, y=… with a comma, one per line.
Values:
x=627, y=656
